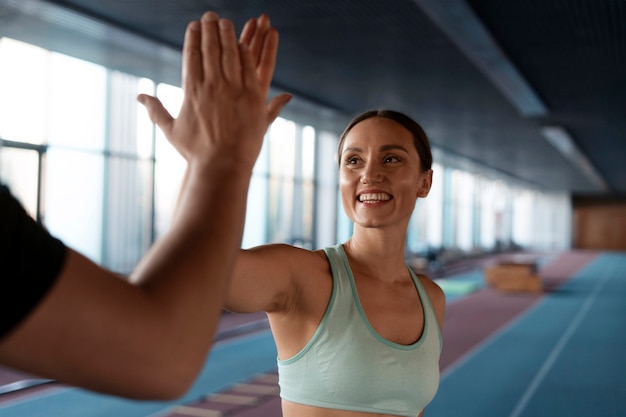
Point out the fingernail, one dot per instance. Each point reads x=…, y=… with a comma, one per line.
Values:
x=224, y=23
x=210, y=17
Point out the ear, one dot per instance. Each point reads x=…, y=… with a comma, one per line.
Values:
x=425, y=182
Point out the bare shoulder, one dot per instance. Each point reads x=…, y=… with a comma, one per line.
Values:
x=312, y=264
x=298, y=266
x=272, y=278
x=312, y=276
x=291, y=256
x=435, y=294
x=310, y=279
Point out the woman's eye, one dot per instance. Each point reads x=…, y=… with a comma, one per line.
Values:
x=392, y=159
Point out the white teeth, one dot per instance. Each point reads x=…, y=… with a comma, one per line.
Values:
x=373, y=197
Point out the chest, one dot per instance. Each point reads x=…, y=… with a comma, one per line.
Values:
x=394, y=312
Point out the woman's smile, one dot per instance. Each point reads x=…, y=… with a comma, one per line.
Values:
x=373, y=197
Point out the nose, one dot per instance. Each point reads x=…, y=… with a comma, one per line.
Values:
x=371, y=174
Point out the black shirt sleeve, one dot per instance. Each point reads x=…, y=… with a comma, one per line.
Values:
x=30, y=261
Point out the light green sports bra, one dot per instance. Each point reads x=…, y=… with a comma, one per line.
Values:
x=348, y=366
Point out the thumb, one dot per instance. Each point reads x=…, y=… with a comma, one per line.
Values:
x=276, y=105
x=156, y=112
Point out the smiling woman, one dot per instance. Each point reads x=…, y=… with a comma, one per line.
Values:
x=353, y=310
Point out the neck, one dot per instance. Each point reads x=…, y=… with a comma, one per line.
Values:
x=378, y=252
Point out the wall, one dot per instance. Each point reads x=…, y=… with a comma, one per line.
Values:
x=599, y=224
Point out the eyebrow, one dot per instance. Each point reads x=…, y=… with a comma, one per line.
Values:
x=381, y=149
x=352, y=149
x=393, y=147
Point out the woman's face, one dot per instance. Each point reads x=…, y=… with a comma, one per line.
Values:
x=380, y=173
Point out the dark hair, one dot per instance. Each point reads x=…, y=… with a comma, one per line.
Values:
x=420, y=140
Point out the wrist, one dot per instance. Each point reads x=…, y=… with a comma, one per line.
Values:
x=219, y=166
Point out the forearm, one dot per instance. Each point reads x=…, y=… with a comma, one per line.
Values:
x=187, y=271
x=204, y=235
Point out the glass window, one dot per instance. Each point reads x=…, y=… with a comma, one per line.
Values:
x=96, y=193
x=127, y=212
x=74, y=199
x=433, y=208
x=448, y=209
x=522, y=223
x=280, y=204
x=128, y=230
x=170, y=166
x=326, y=203
x=145, y=127
x=502, y=211
x=488, y=214
x=76, y=103
x=255, y=230
x=281, y=147
x=19, y=170
x=304, y=210
x=23, y=91
x=308, y=153
x=558, y=214
x=345, y=226
x=130, y=129
x=464, y=190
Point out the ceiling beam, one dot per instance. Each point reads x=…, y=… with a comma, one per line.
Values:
x=456, y=19
x=562, y=141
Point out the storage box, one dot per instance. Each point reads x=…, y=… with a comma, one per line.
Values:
x=514, y=277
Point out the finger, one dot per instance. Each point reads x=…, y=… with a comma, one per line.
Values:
x=258, y=39
x=248, y=70
x=248, y=31
x=267, y=60
x=157, y=112
x=210, y=46
x=231, y=61
x=192, y=57
x=275, y=106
